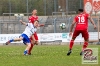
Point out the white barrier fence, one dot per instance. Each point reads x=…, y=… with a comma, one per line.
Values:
x=45, y=37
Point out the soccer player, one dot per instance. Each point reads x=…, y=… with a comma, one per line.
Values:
x=81, y=21
x=25, y=36
x=31, y=20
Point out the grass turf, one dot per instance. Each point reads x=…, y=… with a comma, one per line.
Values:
x=43, y=55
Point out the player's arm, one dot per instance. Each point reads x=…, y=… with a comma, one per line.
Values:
x=30, y=19
x=33, y=39
x=24, y=23
x=41, y=25
x=91, y=20
x=72, y=26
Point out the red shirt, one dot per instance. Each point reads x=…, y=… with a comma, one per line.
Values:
x=33, y=18
x=81, y=21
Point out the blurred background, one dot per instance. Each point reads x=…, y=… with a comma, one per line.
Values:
x=51, y=13
x=44, y=7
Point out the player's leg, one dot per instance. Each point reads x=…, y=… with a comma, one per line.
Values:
x=75, y=34
x=71, y=45
x=27, y=48
x=32, y=42
x=86, y=39
x=35, y=42
x=14, y=40
x=26, y=41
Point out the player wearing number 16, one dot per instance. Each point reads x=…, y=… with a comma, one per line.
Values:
x=81, y=21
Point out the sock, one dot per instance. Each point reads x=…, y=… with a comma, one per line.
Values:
x=30, y=48
x=85, y=45
x=11, y=40
x=25, y=52
x=71, y=44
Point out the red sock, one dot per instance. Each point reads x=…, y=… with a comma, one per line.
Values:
x=71, y=44
x=85, y=45
x=30, y=48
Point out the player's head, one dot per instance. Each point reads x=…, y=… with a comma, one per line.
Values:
x=80, y=10
x=36, y=23
x=34, y=12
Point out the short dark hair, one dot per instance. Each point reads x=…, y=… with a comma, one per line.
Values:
x=36, y=20
x=80, y=10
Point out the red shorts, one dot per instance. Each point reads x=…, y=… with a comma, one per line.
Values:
x=35, y=36
x=83, y=32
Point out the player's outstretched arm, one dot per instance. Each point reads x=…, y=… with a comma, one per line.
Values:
x=24, y=23
x=91, y=20
x=71, y=28
x=41, y=25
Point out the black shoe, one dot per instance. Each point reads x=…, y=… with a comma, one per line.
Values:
x=69, y=52
x=7, y=42
x=81, y=53
x=29, y=54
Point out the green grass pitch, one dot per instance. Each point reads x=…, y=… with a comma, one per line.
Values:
x=43, y=55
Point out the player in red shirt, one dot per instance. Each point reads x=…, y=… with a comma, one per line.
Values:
x=35, y=39
x=81, y=21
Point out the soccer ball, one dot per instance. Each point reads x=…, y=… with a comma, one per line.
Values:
x=62, y=26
